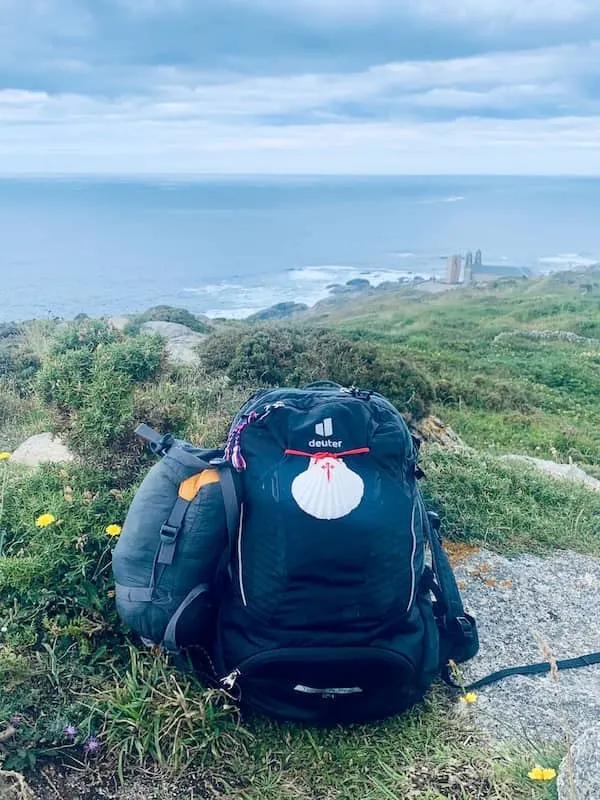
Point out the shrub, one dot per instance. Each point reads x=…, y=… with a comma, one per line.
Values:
x=264, y=357
x=218, y=350
x=279, y=356
x=85, y=335
x=8, y=329
x=17, y=360
x=167, y=314
x=93, y=383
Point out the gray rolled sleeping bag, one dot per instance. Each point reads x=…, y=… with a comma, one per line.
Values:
x=177, y=529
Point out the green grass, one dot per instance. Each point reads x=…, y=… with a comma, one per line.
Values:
x=509, y=507
x=535, y=397
x=428, y=754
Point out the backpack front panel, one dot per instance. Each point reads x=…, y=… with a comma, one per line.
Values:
x=300, y=571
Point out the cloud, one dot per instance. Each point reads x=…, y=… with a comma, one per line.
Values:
x=518, y=81
x=509, y=12
x=467, y=145
x=149, y=85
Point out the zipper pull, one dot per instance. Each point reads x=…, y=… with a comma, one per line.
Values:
x=228, y=682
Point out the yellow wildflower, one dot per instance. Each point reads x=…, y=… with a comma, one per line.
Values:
x=469, y=697
x=45, y=520
x=111, y=593
x=113, y=530
x=5, y=456
x=542, y=774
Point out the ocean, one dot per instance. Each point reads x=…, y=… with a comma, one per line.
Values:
x=232, y=246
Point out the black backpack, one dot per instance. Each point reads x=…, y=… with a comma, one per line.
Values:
x=299, y=566
x=329, y=612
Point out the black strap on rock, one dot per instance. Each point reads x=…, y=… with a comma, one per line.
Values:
x=528, y=669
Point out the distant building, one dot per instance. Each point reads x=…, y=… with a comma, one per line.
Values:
x=453, y=269
x=493, y=272
x=478, y=272
x=468, y=276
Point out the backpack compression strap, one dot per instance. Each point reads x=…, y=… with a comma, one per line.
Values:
x=458, y=631
x=161, y=445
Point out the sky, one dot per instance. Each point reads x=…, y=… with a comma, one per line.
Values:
x=120, y=87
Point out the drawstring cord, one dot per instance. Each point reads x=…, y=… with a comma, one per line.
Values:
x=320, y=456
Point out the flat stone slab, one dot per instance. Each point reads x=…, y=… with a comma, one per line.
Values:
x=579, y=774
x=41, y=448
x=181, y=341
x=118, y=322
x=569, y=472
x=14, y=787
x=526, y=607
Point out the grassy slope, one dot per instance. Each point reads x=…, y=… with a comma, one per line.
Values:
x=524, y=396
x=517, y=395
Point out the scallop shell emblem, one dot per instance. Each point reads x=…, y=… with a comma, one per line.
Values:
x=328, y=489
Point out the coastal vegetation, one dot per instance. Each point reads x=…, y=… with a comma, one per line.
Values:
x=77, y=691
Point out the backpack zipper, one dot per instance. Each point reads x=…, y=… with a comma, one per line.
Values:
x=239, y=553
x=228, y=682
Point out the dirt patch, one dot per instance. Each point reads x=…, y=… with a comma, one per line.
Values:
x=459, y=551
x=96, y=783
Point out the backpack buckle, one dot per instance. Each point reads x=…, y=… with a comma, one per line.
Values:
x=168, y=533
x=466, y=627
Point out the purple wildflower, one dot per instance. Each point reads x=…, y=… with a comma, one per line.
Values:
x=16, y=720
x=92, y=745
x=70, y=731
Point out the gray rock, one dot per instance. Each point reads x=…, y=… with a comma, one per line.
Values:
x=41, y=448
x=278, y=311
x=526, y=607
x=181, y=341
x=569, y=472
x=579, y=774
x=358, y=284
x=14, y=787
x=433, y=430
x=119, y=323
x=564, y=336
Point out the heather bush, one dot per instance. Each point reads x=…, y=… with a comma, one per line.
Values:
x=95, y=384
x=285, y=356
x=166, y=313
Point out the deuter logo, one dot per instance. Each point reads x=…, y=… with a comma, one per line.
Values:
x=324, y=429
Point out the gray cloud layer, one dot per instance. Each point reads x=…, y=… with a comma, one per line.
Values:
x=303, y=86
